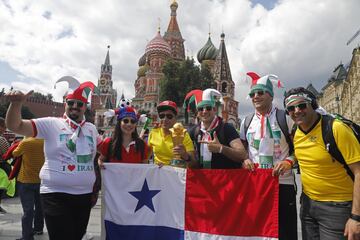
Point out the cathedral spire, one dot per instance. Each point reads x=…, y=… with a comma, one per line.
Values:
x=173, y=35
x=222, y=76
x=107, y=59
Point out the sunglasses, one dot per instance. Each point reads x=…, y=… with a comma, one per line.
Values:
x=259, y=93
x=168, y=116
x=207, y=108
x=72, y=102
x=300, y=106
x=126, y=121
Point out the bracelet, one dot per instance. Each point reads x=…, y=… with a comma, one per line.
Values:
x=221, y=148
x=289, y=161
x=355, y=217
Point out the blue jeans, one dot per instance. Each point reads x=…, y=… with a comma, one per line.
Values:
x=323, y=220
x=30, y=200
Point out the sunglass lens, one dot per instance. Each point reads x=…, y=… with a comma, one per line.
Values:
x=290, y=108
x=260, y=93
x=200, y=109
x=161, y=116
x=252, y=95
x=78, y=103
x=169, y=116
x=302, y=106
x=208, y=108
x=132, y=121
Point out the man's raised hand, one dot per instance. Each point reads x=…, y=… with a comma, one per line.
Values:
x=18, y=96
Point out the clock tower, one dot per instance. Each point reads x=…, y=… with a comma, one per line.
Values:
x=108, y=94
x=105, y=83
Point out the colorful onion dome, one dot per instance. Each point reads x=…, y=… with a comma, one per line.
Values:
x=142, y=60
x=142, y=70
x=207, y=52
x=157, y=45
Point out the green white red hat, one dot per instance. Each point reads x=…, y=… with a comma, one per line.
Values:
x=264, y=83
x=198, y=98
x=77, y=90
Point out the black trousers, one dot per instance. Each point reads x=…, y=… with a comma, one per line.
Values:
x=287, y=212
x=66, y=215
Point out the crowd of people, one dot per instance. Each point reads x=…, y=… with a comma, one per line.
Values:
x=65, y=153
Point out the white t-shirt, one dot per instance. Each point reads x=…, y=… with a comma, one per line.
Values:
x=63, y=170
x=279, y=147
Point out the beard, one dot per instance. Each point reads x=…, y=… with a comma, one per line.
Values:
x=74, y=114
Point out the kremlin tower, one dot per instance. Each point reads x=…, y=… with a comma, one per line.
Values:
x=108, y=95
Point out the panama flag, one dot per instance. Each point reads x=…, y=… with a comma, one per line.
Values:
x=144, y=201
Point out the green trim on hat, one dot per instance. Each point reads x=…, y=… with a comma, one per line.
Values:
x=263, y=88
x=206, y=103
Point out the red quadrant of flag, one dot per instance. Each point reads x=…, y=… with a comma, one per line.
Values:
x=233, y=202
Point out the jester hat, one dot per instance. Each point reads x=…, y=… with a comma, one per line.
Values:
x=77, y=90
x=198, y=98
x=264, y=83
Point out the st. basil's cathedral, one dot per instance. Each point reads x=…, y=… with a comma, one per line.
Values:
x=157, y=52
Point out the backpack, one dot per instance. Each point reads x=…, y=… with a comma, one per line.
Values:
x=281, y=119
x=329, y=140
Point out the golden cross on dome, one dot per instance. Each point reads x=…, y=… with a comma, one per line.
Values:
x=159, y=23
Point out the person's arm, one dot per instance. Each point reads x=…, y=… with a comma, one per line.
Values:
x=236, y=151
x=14, y=120
x=19, y=150
x=352, y=227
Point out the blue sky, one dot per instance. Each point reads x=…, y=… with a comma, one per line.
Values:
x=301, y=41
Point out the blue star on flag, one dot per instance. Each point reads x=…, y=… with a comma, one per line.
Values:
x=145, y=197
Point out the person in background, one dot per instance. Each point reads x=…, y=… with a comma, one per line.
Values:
x=160, y=139
x=4, y=146
x=28, y=183
x=67, y=176
x=124, y=146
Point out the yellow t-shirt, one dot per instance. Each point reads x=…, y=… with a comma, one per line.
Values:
x=324, y=178
x=32, y=152
x=162, y=145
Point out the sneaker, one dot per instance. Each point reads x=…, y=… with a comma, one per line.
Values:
x=38, y=232
x=3, y=211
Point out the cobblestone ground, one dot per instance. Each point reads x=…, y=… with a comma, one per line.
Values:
x=10, y=223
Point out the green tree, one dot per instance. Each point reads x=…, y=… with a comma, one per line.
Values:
x=25, y=111
x=207, y=79
x=182, y=77
x=169, y=83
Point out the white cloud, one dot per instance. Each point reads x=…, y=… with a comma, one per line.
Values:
x=300, y=41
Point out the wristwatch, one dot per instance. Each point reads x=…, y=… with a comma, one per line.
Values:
x=355, y=217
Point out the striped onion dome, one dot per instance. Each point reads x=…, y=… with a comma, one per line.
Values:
x=207, y=52
x=157, y=45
